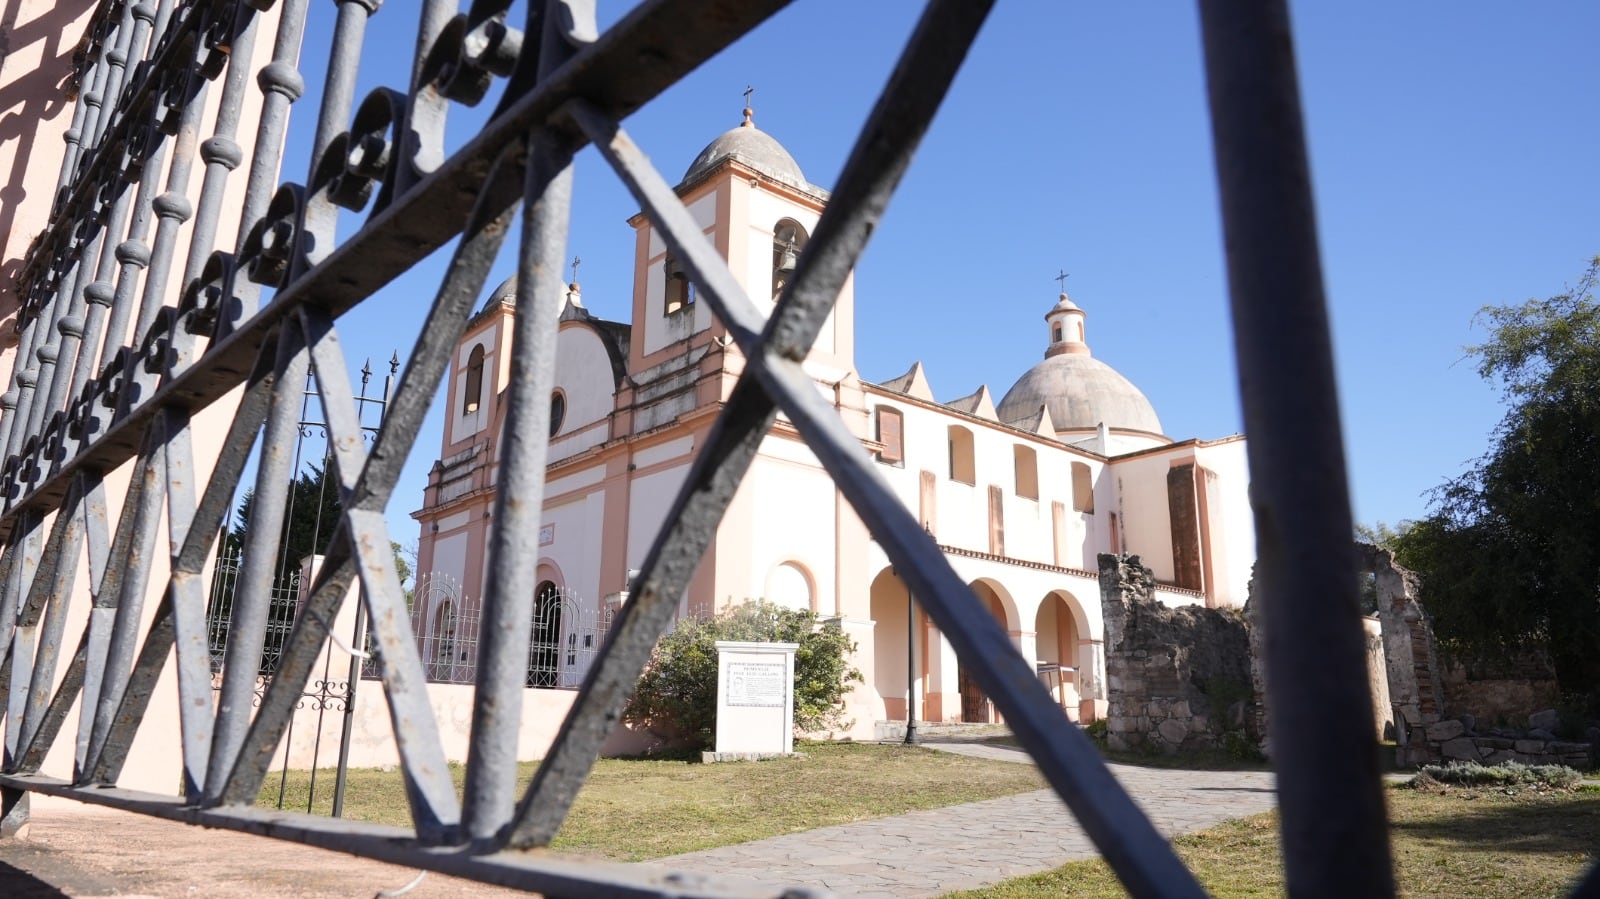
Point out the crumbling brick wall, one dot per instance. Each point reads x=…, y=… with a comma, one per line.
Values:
x=1177, y=678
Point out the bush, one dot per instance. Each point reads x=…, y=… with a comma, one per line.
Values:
x=1505, y=774
x=677, y=695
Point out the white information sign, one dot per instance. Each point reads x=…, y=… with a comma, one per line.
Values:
x=755, y=699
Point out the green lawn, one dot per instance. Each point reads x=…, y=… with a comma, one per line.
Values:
x=636, y=809
x=1479, y=843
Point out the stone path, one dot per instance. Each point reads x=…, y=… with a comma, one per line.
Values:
x=931, y=852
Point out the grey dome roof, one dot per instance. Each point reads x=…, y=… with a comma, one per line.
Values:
x=753, y=147
x=1081, y=392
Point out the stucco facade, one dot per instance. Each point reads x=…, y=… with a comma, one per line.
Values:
x=1021, y=504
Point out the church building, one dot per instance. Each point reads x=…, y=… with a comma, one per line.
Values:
x=1021, y=494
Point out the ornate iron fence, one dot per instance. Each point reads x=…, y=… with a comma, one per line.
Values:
x=122, y=342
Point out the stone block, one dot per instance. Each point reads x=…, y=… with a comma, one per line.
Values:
x=1445, y=730
x=1529, y=747
x=1539, y=733
x=1564, y=748
x=1117, y=742
x=1180, y=709
x=1117, y=724
x=1547, y=719
x=1460, y=748
x=1496, y=742
x=1157, y=708
x=1173, y=730
x=1199, y=724
x=1500, y=756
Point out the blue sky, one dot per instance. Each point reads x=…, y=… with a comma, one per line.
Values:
x=1452, y=145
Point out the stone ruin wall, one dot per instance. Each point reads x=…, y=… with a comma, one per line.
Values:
x=1189, y=677
x=1450, y=712
x=1179, y=678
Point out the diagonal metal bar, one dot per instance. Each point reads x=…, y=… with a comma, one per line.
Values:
x=1333, y=823
x=25, y=550
x=247, y=631
x=876, y=164
x=1139, y=854
x=434, y=210
x=48, y=604
x=441, y=331
x=507, y=613
x=434, y=808
x=1070, y=762
x=146, y=497
x=44, y=736
x=124, y=721
x=545, y=874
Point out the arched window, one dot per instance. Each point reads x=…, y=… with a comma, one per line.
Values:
x=1027, y=464
x=788, y=239
x=472, y=395
x=679, y=289
x=558, y=412
x=544, y=646
x=962, y=466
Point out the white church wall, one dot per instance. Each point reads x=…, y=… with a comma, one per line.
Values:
x=1142, y=509
x=785, y=515
x=1233, y=526
x=570, y=539
x=450, y=556
x=649, y=499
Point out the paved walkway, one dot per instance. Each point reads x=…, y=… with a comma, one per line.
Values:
x=931, y=852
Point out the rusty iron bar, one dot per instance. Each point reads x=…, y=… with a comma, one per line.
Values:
x=1334, y=827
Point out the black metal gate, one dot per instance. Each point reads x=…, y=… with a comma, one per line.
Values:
x=122, y=342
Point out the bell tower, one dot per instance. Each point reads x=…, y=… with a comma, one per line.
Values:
x=757, y=209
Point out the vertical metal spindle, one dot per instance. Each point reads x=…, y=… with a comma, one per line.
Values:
x=1335, y=839
x=282, y=85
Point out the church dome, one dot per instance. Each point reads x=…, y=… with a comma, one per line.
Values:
x=751, y=146
x=1080, y=391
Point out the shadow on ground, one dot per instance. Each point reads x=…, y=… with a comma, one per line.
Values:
x=1532, y=825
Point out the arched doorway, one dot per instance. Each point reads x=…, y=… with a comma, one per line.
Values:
x=975, y=705
x=544, y=645
x=1058, y=634
x=892, y=636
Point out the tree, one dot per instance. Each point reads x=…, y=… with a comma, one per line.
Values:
x=1510, y=554
x=311, y=518
x=678, y=692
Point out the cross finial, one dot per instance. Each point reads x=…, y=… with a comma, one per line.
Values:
x=749, y=113
x=1061, y=278
x=575, y=263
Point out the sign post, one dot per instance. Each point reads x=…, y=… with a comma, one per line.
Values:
x=755, y=700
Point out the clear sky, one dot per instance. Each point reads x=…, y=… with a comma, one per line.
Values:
x=1453, y=150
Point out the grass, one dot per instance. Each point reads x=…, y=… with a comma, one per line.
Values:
x=1495, y=843
x=637, y=809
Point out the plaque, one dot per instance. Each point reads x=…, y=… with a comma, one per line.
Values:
x=756, y=684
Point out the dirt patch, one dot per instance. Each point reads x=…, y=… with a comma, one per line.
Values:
x=77, y=850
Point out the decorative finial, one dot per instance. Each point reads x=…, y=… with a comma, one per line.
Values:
x=1061, y=278
x=394, y=363
x=749, y=112
x=575, y=263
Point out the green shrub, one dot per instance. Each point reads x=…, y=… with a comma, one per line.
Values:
x=677, y=695
x=1505, y=774
x=1098, y=730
